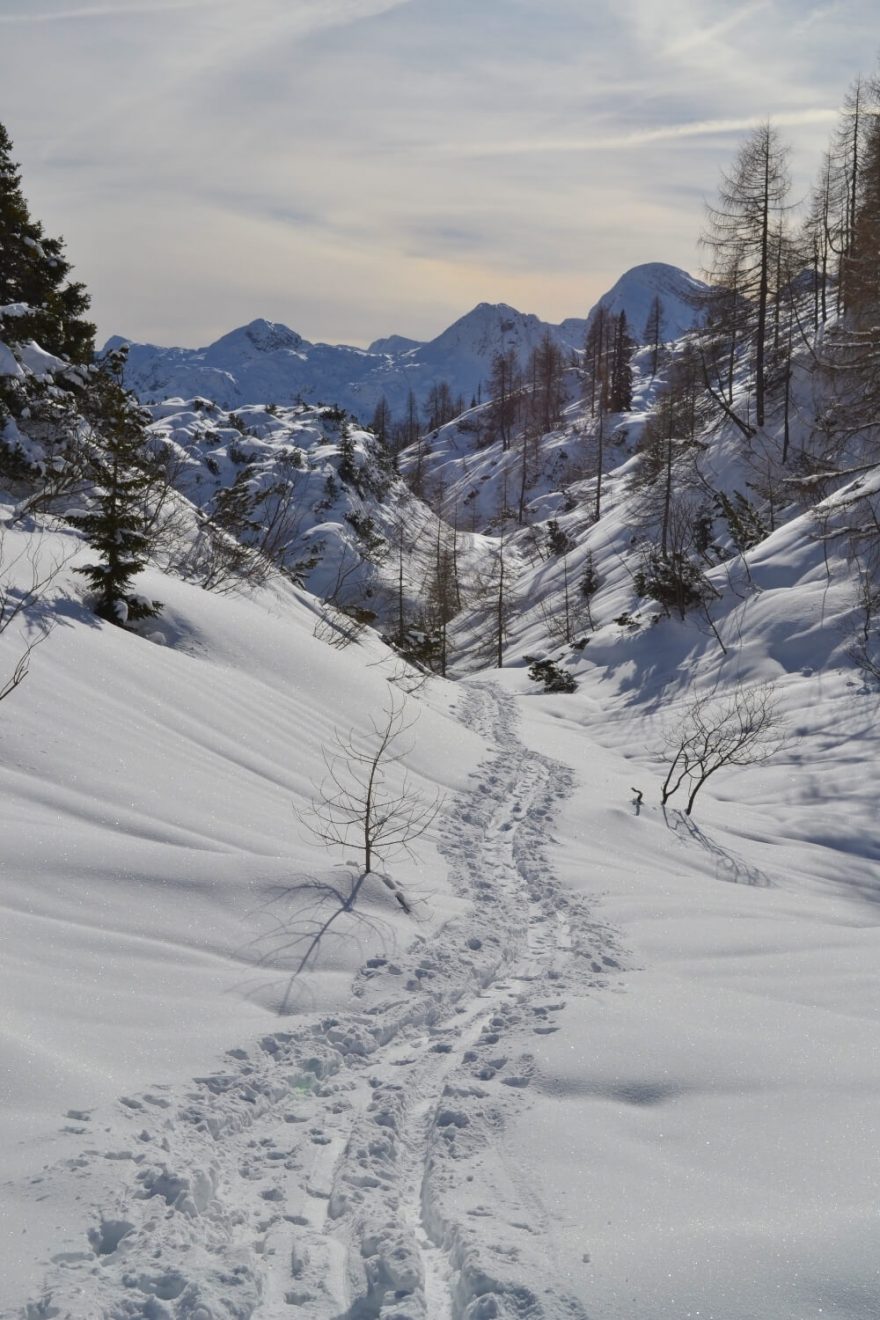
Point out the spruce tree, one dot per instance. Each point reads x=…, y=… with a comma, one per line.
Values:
x=621, y=377
x=653, y=331
x=120, y=472
x=33, y=272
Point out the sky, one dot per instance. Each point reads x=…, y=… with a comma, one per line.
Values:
x=357, y=168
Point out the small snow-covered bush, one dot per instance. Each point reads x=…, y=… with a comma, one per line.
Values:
x=552, y=676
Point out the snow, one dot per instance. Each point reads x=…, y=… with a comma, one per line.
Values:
x=635, y=291
x=38, y=361
x=9, y=367
x=265, y=362
x=618, y=1062
x=593, y=1077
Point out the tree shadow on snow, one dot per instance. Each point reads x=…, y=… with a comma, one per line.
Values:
x=308, y=919
x=729, y=866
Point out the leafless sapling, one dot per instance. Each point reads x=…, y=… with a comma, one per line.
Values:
x=365, y=804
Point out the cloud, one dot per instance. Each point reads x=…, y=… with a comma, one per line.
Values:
x=713, y=32
x=640, y=138
x=132, y=9
x=356, y=167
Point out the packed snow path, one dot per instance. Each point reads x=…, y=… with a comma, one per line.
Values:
x=355, y=1167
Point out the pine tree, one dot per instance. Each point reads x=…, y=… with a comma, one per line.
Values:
x=382, y=424
x=34, y=271
x=440, y=406
x=121, y=476
x=860, y=270
x=547, y=371
x=595, y=361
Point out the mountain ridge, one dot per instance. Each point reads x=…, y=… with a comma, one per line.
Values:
x=268, y=362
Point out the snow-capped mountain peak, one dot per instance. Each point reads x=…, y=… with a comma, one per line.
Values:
x=679, y=292
x=267, y=362
x=256, y=339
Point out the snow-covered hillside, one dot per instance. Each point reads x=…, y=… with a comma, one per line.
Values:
x=314, y=494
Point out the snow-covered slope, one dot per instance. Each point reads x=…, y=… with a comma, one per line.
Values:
x=314, y=494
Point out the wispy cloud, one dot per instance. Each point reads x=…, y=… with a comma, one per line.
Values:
x=714, y=32
x=104, y=11
x=356, y=167
x=639, y=137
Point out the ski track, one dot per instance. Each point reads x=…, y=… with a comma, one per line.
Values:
x=353, y=1168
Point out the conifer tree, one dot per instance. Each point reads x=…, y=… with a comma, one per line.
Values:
x=620, y=373
x=859, y=268
x=653, y=331
x=382, y=424
x=120, y=472
x=547, y=371
x=33, y=273
x=595, y=362
x=505, y=386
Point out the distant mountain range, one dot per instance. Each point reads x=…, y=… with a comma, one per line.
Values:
x=266, y=362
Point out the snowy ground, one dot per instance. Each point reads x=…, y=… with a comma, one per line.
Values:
x=616, y=1065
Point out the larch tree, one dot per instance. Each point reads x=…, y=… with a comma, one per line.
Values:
x=741, y=235
x=505, y=388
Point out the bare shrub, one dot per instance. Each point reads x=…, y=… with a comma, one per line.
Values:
x=742, y=728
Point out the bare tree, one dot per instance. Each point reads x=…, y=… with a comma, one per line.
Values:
x=742, y=234
x=25, y=579
x=864, y=649
x=742, y=728
x=505, y=389
x=19, y=673
x=361, y=806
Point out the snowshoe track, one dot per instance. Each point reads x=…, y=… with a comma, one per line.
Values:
x=322, y=1174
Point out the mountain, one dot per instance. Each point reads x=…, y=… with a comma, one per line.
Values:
x=679, y=292
x=394, y=344
x=265, y=362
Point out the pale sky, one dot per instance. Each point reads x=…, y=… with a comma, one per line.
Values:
x=357, y=168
